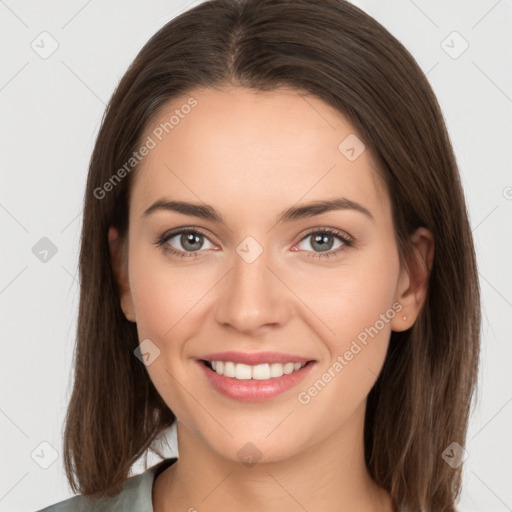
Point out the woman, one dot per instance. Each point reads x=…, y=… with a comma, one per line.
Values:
x=276, y=257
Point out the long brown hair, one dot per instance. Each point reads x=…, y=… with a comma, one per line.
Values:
x=421, y=401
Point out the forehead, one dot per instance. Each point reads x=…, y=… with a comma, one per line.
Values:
x=253, y=151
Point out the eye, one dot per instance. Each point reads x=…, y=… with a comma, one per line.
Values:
x=323, y=241
x=190, y=239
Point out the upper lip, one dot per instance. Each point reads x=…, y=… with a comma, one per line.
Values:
x=255, y=358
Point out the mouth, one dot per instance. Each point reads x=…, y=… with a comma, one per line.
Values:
x=256, y=383
x=263, y=371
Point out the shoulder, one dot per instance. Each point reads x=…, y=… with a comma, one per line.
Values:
x=136, y=495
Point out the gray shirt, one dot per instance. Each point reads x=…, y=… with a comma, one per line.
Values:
x=136, y=495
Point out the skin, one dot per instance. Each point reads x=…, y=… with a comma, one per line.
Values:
x=251, y=155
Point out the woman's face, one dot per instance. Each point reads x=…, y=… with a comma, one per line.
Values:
x=257, y=282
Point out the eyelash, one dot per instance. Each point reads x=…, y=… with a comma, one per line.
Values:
x=162, y=240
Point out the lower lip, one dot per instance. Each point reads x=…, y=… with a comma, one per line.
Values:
x=253, y=390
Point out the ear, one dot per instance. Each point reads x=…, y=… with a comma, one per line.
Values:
x=120, y=267
x=412, y=287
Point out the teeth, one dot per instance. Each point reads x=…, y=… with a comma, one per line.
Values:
x=258, y=372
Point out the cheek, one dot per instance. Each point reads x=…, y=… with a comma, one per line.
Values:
x=361, y=320
x=156, y=308
x=164, y=294
x=354, y=305
x=166, y=300
x=344, y=301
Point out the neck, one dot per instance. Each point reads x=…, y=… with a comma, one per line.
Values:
x=330, y=476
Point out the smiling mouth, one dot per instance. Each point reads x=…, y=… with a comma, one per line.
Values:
x=265, y=371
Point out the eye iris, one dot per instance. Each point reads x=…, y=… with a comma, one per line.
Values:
x=191, y=238
x=322, y=239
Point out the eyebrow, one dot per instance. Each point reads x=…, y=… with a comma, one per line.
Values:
x=294, y=213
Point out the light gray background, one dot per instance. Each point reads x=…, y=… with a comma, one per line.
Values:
x=51, y=109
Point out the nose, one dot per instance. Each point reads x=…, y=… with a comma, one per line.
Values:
x=252, y=297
